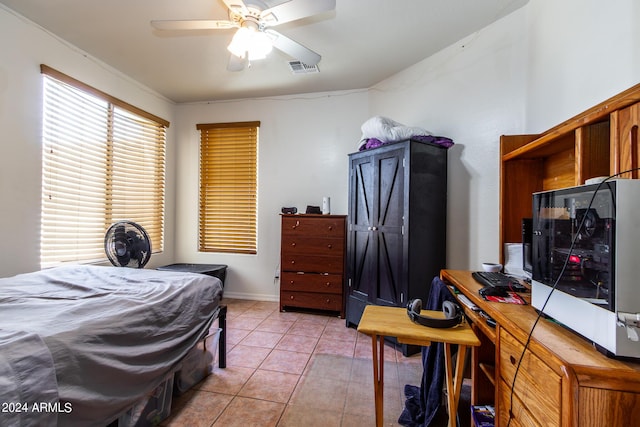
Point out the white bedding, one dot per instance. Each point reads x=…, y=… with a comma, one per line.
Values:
x=388, y=130
x=105, y=335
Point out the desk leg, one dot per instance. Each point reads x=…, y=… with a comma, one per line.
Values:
x=454, y=382
x=377, y=347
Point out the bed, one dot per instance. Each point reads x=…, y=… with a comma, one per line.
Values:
x=91, y=346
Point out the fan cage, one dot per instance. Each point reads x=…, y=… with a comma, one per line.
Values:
x=127, y=244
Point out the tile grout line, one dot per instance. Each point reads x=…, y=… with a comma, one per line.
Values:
x=329, y=331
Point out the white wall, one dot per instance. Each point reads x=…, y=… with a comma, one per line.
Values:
x=302, y=156
x=472, y=92
x=581, y=53
x=523, y=74
x=23, y=47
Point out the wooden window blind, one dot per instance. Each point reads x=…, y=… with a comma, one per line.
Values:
x=228, y=187
x=103, y=161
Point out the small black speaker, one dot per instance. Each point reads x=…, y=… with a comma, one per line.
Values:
x=313, y=209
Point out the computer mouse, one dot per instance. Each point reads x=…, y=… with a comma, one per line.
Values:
x=493, y=291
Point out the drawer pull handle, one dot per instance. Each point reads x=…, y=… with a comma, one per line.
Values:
x=330, y=227
x=328, y=300
x=329, y=246
x=292, y=282
x=296, y=225
x=512, y=360
x=293, y=244
x=293, y=262
x=328, y=284
x=291, y=297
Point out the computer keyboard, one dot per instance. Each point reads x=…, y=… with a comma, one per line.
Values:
x=498, y=280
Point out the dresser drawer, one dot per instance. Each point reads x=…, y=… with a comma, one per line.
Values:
x=312, y=282
x=521, y=416
x=313, y=226
x=331, y=302
x=537, y=384
x=298, y=244
x=312, y=263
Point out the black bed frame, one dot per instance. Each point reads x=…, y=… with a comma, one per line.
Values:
x=222, y=345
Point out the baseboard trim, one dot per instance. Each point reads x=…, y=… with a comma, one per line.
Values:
x=250, y=296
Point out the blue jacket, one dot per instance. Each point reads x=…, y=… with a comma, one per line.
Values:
x=422, y=403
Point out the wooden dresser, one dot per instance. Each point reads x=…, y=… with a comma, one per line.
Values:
x=312, y=262
x=562, y=380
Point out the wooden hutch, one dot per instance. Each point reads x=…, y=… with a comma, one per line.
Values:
x=563, y=380
x=601, y=141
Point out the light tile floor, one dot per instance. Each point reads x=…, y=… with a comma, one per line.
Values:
x=294, y=369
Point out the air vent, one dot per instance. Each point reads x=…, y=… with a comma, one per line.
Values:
x=299, y=67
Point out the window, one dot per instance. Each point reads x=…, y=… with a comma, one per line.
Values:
x=228, y=187
x=103, y=161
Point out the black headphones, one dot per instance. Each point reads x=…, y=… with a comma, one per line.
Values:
x=452, y=312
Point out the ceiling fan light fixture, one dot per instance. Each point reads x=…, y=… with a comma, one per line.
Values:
x=239, y=42
x=255, y=37
x=261, y=46
x=250, y=43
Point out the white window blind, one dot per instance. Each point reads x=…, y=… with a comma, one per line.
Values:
x=228, y=187
x=103, y=161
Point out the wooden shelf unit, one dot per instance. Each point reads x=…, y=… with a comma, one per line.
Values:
x=600, y=141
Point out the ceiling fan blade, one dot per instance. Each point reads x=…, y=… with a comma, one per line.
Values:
x=236, y=6
x=236, y=63
x=193, y=24
x=295, y=9
x=293, y=48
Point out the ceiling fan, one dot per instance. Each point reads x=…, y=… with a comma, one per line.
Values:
x=254, y=37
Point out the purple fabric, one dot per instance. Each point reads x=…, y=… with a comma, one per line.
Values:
x=425, y=139
x=372, y=143
x=432, y=139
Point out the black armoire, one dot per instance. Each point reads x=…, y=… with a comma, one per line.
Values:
x=396, y=233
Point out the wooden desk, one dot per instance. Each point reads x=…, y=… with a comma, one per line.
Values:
x=562, y=381
x=380, y=321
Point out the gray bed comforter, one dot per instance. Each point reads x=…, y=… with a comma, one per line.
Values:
x=79, y=345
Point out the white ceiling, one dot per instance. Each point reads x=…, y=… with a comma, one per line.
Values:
x=362, y=42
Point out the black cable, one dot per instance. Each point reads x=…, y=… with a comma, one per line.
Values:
x=553, y=288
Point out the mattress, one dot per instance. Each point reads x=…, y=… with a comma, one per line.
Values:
x=79, y=345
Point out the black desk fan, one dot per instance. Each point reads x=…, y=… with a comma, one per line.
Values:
x=127, y=244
